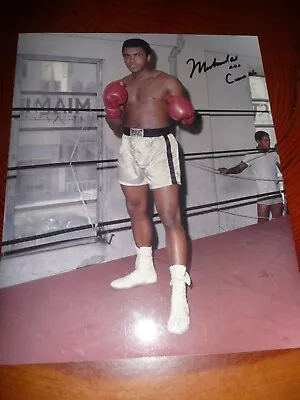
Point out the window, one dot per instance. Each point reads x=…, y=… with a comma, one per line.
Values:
x=42, y=196
x=261, y=104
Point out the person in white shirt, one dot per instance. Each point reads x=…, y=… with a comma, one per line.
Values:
x=264, y=164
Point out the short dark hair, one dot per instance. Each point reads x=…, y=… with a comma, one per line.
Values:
x=135, y=42
x=260, y=134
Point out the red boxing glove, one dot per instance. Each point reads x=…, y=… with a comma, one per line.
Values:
x=181, y=109
x=113, y=113
x=114, y=96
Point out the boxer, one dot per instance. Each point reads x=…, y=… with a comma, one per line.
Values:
x=140, y=108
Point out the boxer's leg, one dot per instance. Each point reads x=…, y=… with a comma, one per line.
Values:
x=167, y=205
x=164, y=176
x=136, y=198
x=137, y=206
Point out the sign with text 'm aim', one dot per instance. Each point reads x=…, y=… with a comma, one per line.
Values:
x=67, y=104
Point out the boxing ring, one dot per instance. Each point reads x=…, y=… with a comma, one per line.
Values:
x=244, y=297
x=87, y=203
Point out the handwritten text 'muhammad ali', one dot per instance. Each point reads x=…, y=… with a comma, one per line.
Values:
x=204, y=67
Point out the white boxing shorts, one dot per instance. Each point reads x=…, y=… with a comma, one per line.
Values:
x=149, y=156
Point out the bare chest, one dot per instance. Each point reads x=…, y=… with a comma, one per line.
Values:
x=145, y=92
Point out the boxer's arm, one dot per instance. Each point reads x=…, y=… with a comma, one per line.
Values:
x=116, y=125
x=114, y=97
x=179, y=107
x=174, y=87
x=113, y=120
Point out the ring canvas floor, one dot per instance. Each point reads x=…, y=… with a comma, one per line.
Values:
x=245, y=297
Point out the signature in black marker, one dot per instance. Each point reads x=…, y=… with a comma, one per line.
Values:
x=251, y=73
x=204, y=67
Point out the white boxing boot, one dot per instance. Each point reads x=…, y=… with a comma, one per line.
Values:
x=179, y=319
x=143, y=274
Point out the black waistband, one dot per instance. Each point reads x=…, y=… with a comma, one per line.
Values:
x=146, y=132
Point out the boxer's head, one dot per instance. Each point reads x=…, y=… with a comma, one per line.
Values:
x=136, y=54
